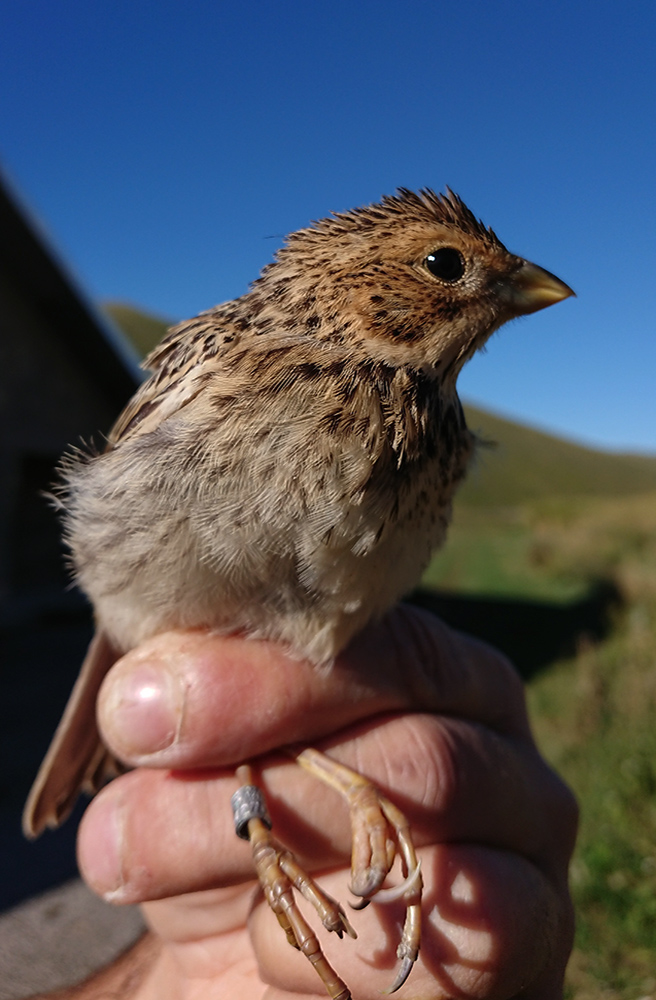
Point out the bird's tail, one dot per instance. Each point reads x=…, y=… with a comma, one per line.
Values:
x=76, y=759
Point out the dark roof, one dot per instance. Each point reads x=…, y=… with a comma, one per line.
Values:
x=44, y=624
x=34, y=268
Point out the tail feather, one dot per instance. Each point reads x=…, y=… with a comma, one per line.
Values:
x=76, y=759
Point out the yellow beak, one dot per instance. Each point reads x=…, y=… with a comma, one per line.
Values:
x=531, y=288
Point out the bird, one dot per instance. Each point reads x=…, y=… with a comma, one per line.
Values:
x=286, y=472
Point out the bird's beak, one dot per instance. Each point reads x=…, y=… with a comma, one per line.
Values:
x=531, y=288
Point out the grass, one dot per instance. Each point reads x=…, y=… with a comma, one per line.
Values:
x=594, y=714
x=495, y=552
x=596, y=719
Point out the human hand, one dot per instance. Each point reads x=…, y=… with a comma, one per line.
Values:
x=494, y=826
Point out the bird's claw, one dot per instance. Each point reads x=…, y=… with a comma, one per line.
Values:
x=279, y=875
x=404, y=890
x=401, y=976
x=380, y=832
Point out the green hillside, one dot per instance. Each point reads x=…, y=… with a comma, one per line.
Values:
x=518, y=464
x=143, y=329
x=523, y=464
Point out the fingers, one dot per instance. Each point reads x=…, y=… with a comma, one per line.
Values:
x=180, y=699
x=150, y=835
x=435, y=668
x=455, y=781
x=493, y=927
x=472, y=777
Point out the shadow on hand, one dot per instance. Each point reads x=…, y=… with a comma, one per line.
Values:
x=532, y=634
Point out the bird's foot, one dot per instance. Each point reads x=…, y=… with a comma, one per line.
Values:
x=380, y=832
x=279, y=874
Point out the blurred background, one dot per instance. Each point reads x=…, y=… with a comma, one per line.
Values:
x=153, y=157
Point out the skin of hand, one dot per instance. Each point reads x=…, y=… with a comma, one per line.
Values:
x=435, y=718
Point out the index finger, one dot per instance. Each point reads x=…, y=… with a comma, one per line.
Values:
x=193, y=699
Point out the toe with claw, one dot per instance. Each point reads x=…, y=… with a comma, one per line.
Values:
x=380, y=833
x=279, y=874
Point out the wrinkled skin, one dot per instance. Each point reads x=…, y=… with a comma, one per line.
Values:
x=435, y=718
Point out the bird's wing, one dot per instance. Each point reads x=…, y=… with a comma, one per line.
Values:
x=176, y=364
x=76, y=759
x=216, y=347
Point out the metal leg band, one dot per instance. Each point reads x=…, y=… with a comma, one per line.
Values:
x=248, y=803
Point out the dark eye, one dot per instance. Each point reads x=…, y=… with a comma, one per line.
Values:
x=446, y=263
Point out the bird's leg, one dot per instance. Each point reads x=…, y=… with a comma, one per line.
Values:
x=380, y=831
x=279, y=874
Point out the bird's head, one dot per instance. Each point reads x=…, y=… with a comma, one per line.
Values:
x=415, y=279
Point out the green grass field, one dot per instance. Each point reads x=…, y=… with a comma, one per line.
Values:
x=594, y=713
x=544, y=521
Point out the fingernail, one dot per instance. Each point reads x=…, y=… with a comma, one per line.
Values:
x=141, y=709
x=100, y=846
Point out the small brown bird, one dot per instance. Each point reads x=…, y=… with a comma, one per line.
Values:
x=286, y=472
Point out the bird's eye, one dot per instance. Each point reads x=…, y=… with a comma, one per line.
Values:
x=446, y=263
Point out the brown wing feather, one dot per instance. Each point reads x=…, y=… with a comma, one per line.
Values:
x=174, y=364
x=76, y=759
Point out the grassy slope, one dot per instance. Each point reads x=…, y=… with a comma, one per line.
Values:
x=594, y=714
x=526, y=464
x=143, y=329
x=595, y=719
x=542, y=517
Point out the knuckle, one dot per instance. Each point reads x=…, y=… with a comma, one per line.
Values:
x=426, y=769
x=508, y=683
x=556, y=817
x=563, y=809
x=446, y=669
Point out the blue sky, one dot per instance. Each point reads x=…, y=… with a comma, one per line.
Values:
x=166, y=148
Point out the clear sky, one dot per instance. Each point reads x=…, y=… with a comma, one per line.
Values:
x=167, y=146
